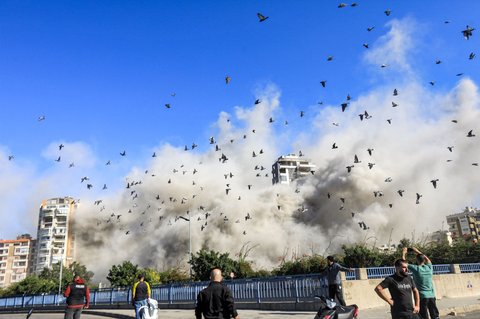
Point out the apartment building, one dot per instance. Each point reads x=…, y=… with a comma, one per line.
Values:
x=16, y=259
x=55, y=238
x=465, y=224
x=290, y=167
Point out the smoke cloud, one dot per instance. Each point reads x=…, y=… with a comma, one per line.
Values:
x=225, y=194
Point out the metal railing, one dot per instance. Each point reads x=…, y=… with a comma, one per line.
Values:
x=465, y=268
x=297, y=288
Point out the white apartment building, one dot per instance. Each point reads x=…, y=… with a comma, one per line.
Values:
x=16, y=259
x=290, y=167
x=55, y=239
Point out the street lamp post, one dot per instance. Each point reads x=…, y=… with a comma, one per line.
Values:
x=60, y=276
x=189, y=245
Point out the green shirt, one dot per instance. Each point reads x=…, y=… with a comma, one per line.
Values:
x=422, y=275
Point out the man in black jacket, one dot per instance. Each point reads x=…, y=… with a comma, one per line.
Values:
x=78, y=297
x=216, y=301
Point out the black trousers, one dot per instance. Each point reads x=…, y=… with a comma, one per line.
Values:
x=428, y=305
x=410, y=316
x=336, y=291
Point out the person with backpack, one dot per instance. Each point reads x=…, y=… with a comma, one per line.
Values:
x=78, y=297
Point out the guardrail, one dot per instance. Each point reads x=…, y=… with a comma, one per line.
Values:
x=298, y=288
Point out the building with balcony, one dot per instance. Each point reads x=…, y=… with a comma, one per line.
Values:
x=465, y=224
x=16, y=259
x=290, y=167
x=55, y=238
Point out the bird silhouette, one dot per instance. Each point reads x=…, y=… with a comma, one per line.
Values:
x=470, y=134
x=261, y=17
x=418, y=198
x=467, y=33
x=434, y=182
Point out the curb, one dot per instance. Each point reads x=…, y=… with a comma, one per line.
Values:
x=453, y=311
x=107, y=314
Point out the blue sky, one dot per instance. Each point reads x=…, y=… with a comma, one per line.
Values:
x=102, y=72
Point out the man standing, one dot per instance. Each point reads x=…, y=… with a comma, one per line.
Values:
x=140, y=294
x=401, y=287
x=423, y=277
x=78, y=297
x=332, y=272
x=216, y=301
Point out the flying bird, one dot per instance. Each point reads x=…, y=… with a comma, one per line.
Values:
x=370, y=28
x=467, y=33
x=227, y=79
x=370, y=150
x=470, y=134
x=60, y=147
x=450, y=148
x=261, y=17
x=349, y=168
x=123, y=153
x=41, y=118
x=344, y=106
x=388, y=12
x=471, y=56
x=418, y=198
x=400, y=192
x=323, y=83
x=434, y=182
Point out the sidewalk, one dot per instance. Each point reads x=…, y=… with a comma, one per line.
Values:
x=445, y=305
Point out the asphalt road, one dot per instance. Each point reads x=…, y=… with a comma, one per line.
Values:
x=245, y=314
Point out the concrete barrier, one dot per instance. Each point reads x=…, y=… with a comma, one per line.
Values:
x=361, y=292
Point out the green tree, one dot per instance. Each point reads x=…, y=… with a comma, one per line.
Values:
x=204, y=261
x=75, y=268
x=304, y=265
x=360, y=256
x=174, y=275
x=31, y=285
x=152, y=276
x=123, y=275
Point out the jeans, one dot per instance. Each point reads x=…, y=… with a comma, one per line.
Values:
x=137, y=305
x=336, y=290
x=73, y=313
x=430, y=305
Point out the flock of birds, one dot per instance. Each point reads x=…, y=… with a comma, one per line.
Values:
x=159, y=207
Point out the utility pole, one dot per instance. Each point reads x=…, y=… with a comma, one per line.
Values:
x=189, y=245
